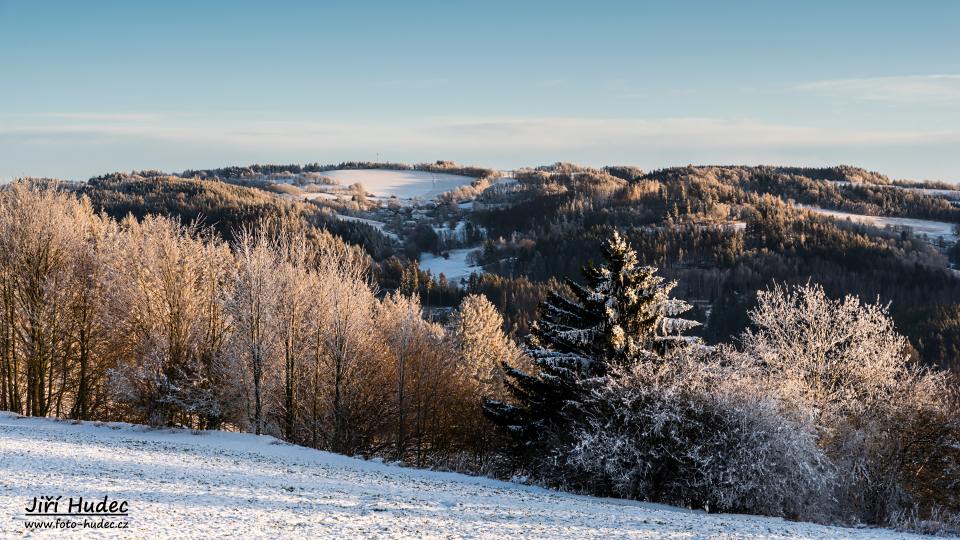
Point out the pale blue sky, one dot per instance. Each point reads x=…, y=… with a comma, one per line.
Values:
x=88, y=87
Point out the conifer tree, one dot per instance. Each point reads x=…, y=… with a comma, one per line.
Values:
x=621, y=315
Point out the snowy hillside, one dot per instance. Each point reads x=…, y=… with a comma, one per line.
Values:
x=930, y=228
x=215, y=484
x=455, y=267
x=402, y=184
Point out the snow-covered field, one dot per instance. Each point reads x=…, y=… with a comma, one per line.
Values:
x=933, y=229
x=402, y=184
x=228, y=485
x=378, y=225
x=952, y=194
x=454, y=268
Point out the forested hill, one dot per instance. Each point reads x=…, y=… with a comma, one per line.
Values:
x=725, y=232
x=224, y=208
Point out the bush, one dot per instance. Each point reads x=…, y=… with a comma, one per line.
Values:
x=694, y=433
x=888, y=426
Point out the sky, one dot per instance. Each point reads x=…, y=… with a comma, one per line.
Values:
x=93, y=87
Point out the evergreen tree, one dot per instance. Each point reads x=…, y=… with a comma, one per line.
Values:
x=623, y=314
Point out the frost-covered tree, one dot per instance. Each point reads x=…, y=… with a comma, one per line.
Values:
x=93, y=335
x=41, y=231
x=252, y=306
x=423, y=373
x=292, y=316
x=696, y=431
x=842, y=362
x=622, y=315
x=407, y=337
x=476, y=332
x=345, y=352
x=405, y=340
x=840, y=357
x=169, y=312
x=55, y=289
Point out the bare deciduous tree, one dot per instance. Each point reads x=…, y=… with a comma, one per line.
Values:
x=252, y=306
x=173, y=320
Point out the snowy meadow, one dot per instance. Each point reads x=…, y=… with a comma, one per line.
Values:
x=181, y=484
x=403, y=184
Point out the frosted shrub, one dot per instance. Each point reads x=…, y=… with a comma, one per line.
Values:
x=884, y=422
x=694, y=433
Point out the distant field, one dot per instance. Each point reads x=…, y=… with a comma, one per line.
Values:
x=402, y=184
x=378, y=225
x=930, y=228
x=454, y=268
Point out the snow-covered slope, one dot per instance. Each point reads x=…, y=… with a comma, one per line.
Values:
x=932, y=229
x=214, y=484
x=455, y=267
x=403, y=184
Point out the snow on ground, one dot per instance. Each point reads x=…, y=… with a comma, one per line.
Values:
x=932, y=229
x=403, y=184
x=456, y=234
x=222, y=485
x=310, y=195
x=378, y=225
x=229, y=485
x=952, y=194
x=454, y=268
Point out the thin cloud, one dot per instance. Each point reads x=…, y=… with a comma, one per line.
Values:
x=943, y=89
x=681, y=133
x=89, y=116
x=454, y=134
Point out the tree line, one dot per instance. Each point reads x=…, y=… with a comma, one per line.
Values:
x=258, y=170
x=157, y=321
x=722, y=235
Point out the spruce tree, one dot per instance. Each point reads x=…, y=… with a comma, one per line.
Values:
x=622, y=314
